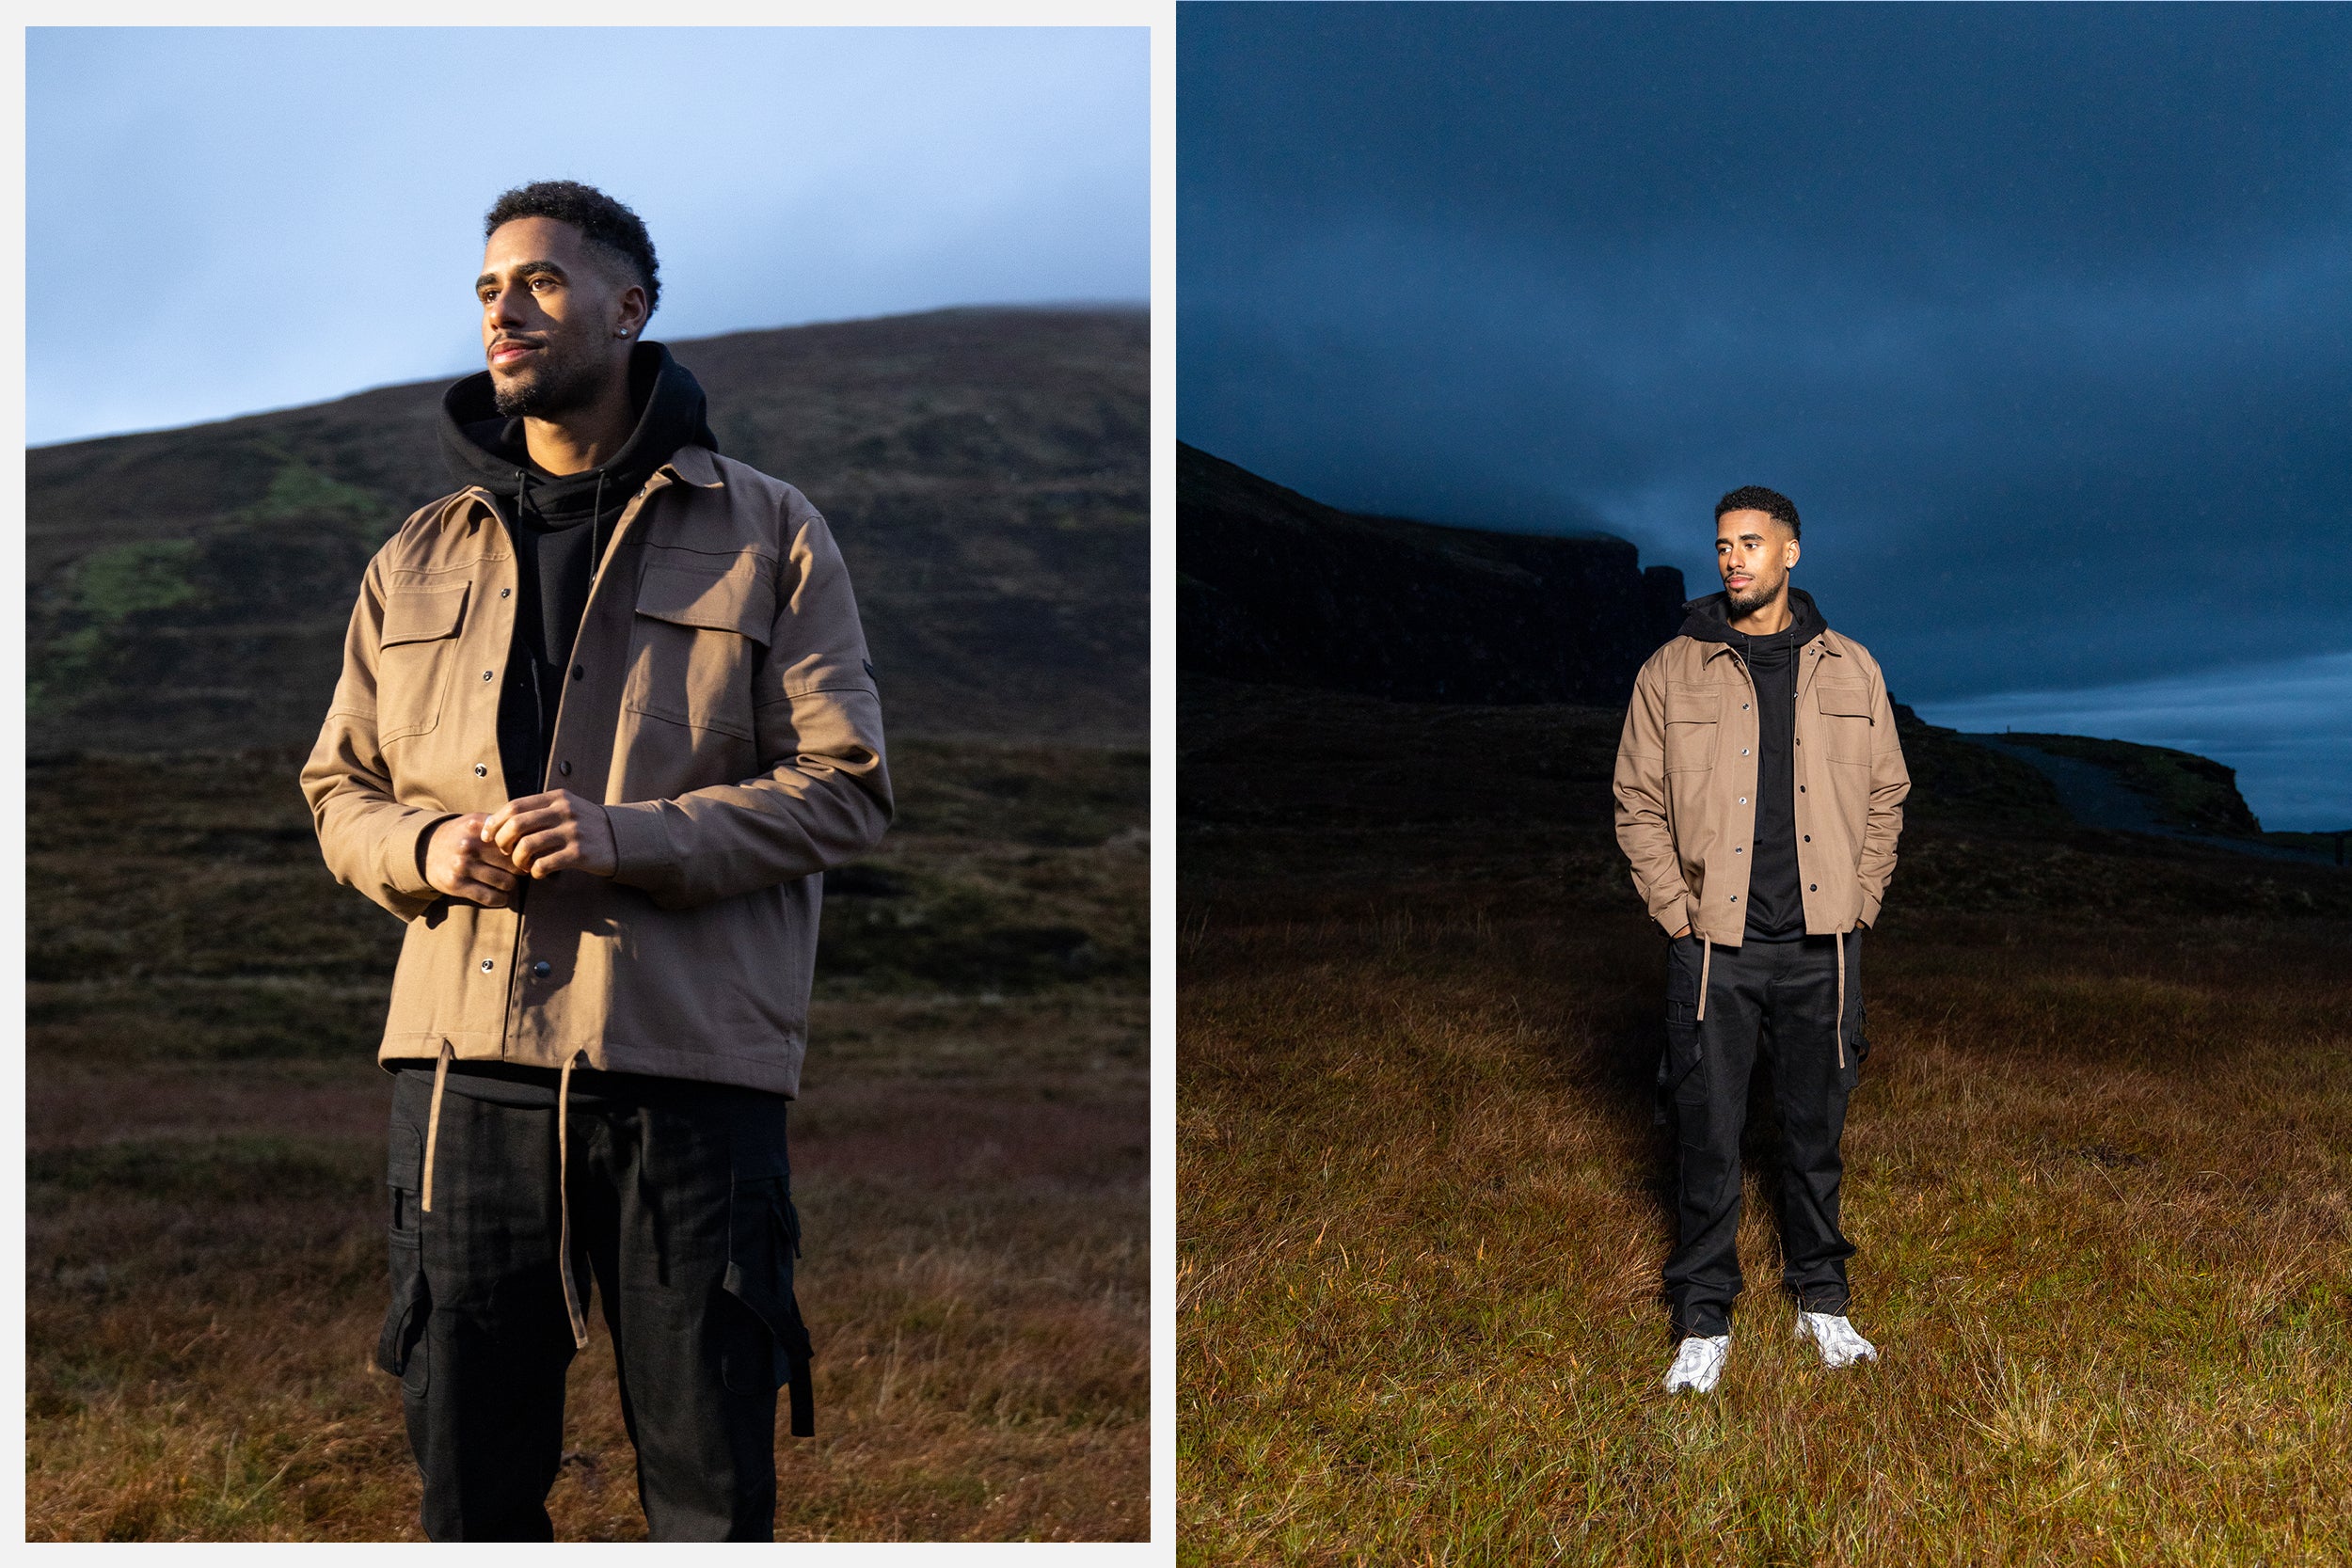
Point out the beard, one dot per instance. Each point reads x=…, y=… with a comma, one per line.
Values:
x=1756, y=598
x=559, y=382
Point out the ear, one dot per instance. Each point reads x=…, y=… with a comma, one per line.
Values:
x=1788, y=554
x=628, y=318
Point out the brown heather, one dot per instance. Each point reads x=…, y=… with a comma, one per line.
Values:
x=2099, y=1171
x=205, y=1219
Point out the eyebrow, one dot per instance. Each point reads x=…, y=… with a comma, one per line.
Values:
x=526, y=267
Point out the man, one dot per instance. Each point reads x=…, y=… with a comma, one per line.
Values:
x=1759, y=790
x=605, y=718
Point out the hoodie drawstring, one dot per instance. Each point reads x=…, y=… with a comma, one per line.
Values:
x=563, y=1202
x=433, y=1126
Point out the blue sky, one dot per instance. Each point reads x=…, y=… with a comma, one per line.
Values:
x=223, y=220
x=2042, y=314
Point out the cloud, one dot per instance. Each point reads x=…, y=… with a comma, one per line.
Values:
x=2043, y=315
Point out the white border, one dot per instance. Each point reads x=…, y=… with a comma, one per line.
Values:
x=1160, y=17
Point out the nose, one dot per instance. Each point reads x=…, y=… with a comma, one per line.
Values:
x=504, y=310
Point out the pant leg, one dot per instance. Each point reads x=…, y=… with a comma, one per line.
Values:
x=697, y=1284
x=477, y=1331
x=1810, y=1086
x=1712, y=1059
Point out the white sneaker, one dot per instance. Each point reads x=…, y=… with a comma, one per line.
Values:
x=1698, y=1362
x=1840, y=1345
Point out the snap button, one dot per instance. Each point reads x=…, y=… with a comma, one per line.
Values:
x=481, y=770
x=506, y=593
x=1735, y=898
x=541, y=968
x=564, y=768
x=1744, y=799
x=1808, y=838
x=580, y=672
x=488, y=675
x=1814, y=888
x=487, y=966
x=1743, y=751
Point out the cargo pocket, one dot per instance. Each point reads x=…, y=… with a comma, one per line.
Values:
x=765, y=1345
x=400, y=1349
x=1680, y=1055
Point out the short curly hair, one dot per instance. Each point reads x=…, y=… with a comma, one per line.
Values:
x=602, y=221
x=1754, y=497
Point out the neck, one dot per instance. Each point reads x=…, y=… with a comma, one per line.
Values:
x=587, y=437
x=1767, y=618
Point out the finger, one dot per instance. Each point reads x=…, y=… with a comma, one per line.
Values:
x=539, y=848
x=472, y=853
x=478, y=893
x=490, y=875
x=523, y=824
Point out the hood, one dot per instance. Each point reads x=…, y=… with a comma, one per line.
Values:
x=1707, y=621
x=485, y=448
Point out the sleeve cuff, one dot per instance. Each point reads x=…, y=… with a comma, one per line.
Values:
x=404, y=858
x=641, y=854
x=1871, y=901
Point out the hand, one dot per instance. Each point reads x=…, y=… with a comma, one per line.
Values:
x=1684, y=933
x=459, y=862
x=543, y=834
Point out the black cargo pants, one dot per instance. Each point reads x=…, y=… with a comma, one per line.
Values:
x=681, y=1209
x=1781, y=997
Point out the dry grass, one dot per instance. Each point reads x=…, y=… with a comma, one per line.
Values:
x=2100, y=1188
x=205, y=1220
x=2099, y=1172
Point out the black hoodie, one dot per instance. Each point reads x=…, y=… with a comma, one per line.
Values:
x=1776, y=900
x=560, y=526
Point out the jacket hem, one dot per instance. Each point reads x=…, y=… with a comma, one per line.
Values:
x=776, y=1070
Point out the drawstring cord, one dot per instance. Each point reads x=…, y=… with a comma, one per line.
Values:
x=563, y=1202
x=1841, y=1001
x=1707, y=956
x=433, y=1125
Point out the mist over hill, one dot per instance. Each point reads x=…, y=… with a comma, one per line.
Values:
x=985, y=471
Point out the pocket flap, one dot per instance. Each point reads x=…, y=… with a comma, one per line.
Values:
x=737, y=598
x=1693, y=705
x=1845, y=699
x=422, y=614
x=404, y=1160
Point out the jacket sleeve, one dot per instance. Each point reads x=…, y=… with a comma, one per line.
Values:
x=1890, y=784
x=370, y=839
x=824, y=795
x=1640, y=786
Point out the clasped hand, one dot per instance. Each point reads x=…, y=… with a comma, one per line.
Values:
x=479, y=857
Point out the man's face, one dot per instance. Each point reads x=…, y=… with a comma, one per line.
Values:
x=553, y=318
x=1754, y=552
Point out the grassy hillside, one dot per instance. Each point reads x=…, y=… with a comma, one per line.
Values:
x=2096, y=1169
x=986, y=472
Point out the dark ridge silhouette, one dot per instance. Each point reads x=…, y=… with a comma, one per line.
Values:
x=986, y=472
x=1276, y=588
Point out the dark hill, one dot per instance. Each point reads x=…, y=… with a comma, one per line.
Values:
x=986, y=472
x=1273, y=587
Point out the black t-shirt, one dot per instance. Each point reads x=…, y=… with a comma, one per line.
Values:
x=1776, y=897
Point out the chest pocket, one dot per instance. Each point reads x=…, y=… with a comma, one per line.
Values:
x=702, y=623
x=1845, y=710
x=1693, y=715
x=416, y=653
